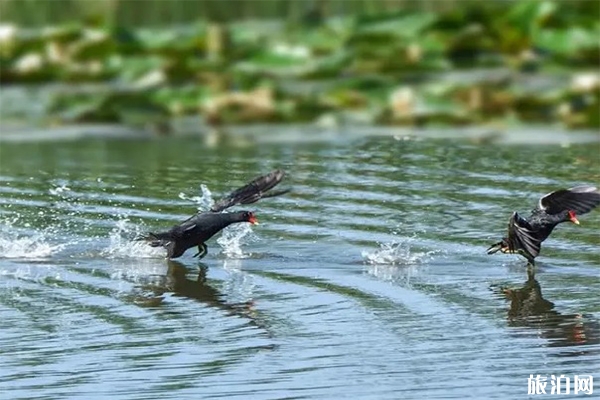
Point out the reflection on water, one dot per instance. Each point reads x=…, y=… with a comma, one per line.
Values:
x=528, y=308
x=192, y=283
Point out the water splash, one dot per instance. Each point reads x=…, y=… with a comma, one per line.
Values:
x=203, y=202
x=396, y=261
x=21, y=243
x=396, y=253
x=60, y=190
x=232, y=238
x=121, y=244
x=27, y=247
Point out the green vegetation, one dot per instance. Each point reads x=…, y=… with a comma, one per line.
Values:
x=476, y=62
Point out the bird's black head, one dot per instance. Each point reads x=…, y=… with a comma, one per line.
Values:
x=248, y=216
x=571, y=217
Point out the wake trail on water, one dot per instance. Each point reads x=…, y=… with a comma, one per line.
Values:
x=66, y=228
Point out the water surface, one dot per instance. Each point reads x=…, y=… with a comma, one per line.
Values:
x=369, y=280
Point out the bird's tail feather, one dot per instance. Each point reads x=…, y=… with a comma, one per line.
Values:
x=155, y=239
x=163, y=239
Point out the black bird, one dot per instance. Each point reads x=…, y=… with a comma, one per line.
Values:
x=525, y=236
x=196, y=230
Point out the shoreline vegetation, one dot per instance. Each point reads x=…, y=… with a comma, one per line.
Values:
x=474, y=64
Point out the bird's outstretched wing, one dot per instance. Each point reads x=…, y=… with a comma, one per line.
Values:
x=580, y=199
x=253, y=191
x=522, y=238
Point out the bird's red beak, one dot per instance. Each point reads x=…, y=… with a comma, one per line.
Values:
x=573, y=218
x=253, y=220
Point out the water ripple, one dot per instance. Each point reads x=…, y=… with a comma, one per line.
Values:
x=369, y=279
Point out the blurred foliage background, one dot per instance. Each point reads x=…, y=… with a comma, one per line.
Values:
x=384, y=62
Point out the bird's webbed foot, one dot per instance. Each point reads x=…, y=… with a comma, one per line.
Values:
x=202, y=250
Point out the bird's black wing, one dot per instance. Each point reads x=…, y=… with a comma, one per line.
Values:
x=522, y=237
x=580, y=199
x=253, y=191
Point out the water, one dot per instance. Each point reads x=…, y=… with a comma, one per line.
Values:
x=369, y=280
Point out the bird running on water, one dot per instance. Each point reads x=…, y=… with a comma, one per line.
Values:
x=196, y=230
x=525, y=236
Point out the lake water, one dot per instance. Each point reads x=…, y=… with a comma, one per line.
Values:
x=369, y=280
